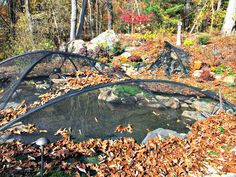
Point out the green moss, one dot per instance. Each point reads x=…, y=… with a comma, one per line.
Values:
x=134, y=64
x=127, y=90
x=221, y=129
x=213, y=153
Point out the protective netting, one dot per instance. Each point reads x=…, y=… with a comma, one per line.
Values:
x=12, y=71
x=52, y=90
x=97, y=111
x=172, y=60
x=27, y=76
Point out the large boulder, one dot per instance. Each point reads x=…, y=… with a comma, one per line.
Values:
x=162, y=133
x=108, y=37
x=76, y=45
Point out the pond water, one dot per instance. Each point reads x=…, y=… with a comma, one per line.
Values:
x=89, y=117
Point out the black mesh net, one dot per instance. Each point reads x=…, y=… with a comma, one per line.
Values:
x=172, y=60
x=26, y=77
x=97, y=111
x=12, y=72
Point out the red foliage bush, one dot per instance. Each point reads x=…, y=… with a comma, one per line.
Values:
x=135, y=58
x=133, y=18
x=206, y=74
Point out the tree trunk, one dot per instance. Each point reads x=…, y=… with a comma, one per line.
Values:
x=219, y=4
x=212, y=15
x=229, y=21
x=81, y=20
x=91, y=22
x=187, y=9
x=58, y=42
x=12, y=15
x=97, y=18
x=29, y=20
x=73, y=19
x=110, y=14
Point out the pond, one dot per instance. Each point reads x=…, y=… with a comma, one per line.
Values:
x=88, y=115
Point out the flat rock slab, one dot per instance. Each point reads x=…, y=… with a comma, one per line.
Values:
x=162, y=133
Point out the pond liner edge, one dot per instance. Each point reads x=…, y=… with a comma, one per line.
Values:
x=209, y=93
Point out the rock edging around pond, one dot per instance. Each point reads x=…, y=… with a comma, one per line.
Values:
x=193, y=108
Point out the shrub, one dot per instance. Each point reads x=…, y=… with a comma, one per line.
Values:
x=203, y=40
x=206, y=74
x=135, y=58
x=188, y=42
x=224, y=69
x=99, y=52
x=117, y=49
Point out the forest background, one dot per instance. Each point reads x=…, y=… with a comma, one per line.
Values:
x=27, y=25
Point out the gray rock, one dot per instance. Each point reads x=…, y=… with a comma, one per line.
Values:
x=173, y=103
x=230, y=111
x=193, y=115
x=128, y=49
x=162, y=98
x=229, y=175
x=109, y=96
x=162, y=133
x=140, y=96
x=229, y=79
x=126, y=54
x=76, y=45
x=6, y=138
x=12, y=105
x=151, y=105
x=184, y=105
x=129, y=100
x=197, y=73
x=213, y=175
x=203, y=106
x=109, y=37
x=190, y=100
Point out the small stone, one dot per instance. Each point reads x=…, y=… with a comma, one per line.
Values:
x=184, y=105
x=126, y=54
x=229, y=79
x=109, y=96
x=173, y=103
x=162, y=98
x=218, y=76
x=129, y=100
x=229, y=175
x=197, y=73
x=193, y=115
x=213, y=175
x=128, y=49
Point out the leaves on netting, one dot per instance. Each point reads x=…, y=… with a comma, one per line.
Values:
x=121, y=129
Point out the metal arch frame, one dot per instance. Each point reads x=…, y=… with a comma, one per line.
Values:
x=208, y=93
x=47, y=53
x=17, y=83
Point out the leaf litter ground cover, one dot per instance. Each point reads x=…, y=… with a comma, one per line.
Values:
x=213, y=152
x=210, y=145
